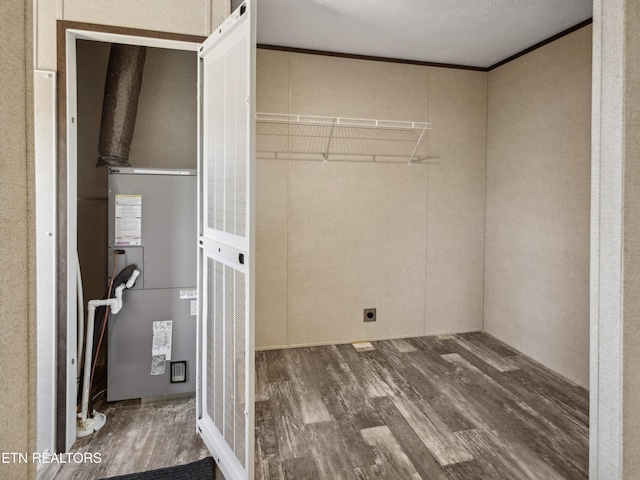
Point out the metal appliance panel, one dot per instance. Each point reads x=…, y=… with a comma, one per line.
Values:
x=169, y=234
x=130, y=344
x=166, y=257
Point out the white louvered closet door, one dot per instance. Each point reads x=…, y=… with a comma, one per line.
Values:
x=226, y=251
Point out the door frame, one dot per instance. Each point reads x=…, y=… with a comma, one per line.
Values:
x=66, y=328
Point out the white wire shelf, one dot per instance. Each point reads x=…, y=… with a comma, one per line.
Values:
x=340, y=139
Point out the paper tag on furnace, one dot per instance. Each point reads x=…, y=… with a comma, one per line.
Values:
x=162, y=338
x=157, y=364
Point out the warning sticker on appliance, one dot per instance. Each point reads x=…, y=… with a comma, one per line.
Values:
x=128, y=220
x=188, y=294
x=158, y=364
x=162, y=339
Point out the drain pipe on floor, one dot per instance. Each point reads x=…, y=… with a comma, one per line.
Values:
x=86, y=424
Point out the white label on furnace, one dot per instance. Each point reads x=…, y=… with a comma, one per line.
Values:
x=162, y=339
x=194, y=308
x=186, y=294
x=128, y=220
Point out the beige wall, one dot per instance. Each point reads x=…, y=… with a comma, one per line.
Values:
x=335, y=238
x=165, y=136
x=17, y=316
x=192, y=17
x=455, y=202
x=538, y=201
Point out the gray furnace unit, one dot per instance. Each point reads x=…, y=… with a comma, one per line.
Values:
x=152, y=341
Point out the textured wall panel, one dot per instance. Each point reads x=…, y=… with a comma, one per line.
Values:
x=271, y=252
x=17, y=312
x=335, y=239
x=455, y=202
x=176, y=16
x=538, y=204
x=357, y=240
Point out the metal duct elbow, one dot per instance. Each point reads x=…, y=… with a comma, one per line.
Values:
x=120, y=104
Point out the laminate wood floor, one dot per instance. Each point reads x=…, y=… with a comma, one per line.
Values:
x=137, y=437
x=459, y=407
x=449, y=407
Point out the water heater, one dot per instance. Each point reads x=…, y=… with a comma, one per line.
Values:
x=152, y=341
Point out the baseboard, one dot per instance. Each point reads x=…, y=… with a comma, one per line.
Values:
x=374, y=339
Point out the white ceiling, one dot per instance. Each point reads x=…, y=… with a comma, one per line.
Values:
x=476, y=33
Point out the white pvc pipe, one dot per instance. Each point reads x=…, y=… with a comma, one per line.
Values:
x=91, y=310
x=91, y=313
x=116, y=305
x=118, y=297
x=132, y=279
x=120, y=288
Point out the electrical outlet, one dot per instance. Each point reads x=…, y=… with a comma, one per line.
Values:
x=369, y=314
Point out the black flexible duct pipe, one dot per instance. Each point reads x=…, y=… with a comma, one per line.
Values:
x=120, y=104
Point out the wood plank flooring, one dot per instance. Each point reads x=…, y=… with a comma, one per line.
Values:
x=449, y=407
x=452, y=407
x=137, y=437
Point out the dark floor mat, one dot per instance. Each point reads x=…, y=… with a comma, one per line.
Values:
x=201, y=470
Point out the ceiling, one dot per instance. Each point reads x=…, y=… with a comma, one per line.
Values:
x=477, y=33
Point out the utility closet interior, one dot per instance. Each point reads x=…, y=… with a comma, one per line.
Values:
x=164, y=137
x=160, y=243
x=486, y=231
